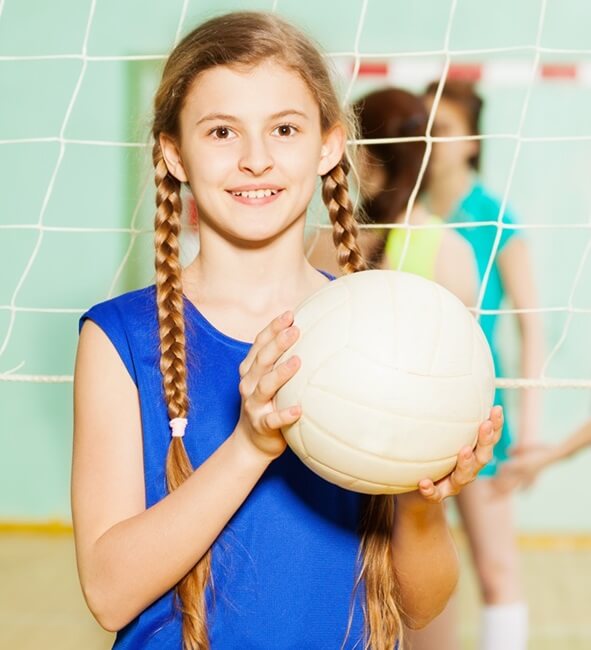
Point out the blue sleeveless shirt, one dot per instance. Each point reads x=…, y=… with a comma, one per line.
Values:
x=285, y=564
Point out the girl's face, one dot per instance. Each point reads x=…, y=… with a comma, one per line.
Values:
x=450, y=122
x=251, y=149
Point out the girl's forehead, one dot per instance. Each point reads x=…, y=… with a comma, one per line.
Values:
x=266, y=87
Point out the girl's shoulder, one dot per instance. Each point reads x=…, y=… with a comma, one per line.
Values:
x=129, y=321
x=483, y=205
x=126, y=309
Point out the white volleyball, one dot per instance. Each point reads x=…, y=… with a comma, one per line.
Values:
x=395, y=378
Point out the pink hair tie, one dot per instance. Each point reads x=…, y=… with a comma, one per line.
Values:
x=178, y=426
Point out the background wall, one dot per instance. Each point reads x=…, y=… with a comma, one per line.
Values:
x=74, y=228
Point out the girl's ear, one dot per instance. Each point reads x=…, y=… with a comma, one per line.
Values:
x=333, y=148
x=172, y=157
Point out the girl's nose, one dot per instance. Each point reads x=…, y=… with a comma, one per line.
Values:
x=256, y=158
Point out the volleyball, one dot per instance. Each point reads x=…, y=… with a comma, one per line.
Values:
x=395, y=378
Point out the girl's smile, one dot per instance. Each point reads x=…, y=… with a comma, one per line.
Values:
x=251, y=138
x=256, y=195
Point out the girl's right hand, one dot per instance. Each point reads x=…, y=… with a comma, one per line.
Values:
x=260, y=423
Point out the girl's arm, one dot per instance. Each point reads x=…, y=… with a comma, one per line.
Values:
x=426, y=560
x=578, y=440
x=517, y=274
x=455, y=268
x=524, y=466
x=128, y=555
x=425, y=556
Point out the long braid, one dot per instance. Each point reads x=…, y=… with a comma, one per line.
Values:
x=335, y=194
x=191, y=589
x=382, y=617
x=382, y=608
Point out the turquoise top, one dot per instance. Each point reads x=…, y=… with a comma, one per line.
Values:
x=478, y=206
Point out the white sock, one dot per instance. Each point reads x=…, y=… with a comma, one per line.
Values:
x=504, y=627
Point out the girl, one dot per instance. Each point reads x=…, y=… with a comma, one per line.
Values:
x=194, y=526
x=455, y=192
x=389, y=173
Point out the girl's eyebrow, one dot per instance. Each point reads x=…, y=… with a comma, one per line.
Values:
x=223, y=117
x=289, y=111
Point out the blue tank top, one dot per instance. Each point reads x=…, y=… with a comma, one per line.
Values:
x=285, y=564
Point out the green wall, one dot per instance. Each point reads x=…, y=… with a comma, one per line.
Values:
x=98, y=187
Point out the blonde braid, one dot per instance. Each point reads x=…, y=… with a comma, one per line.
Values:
x=335, y=194
x=382, y=618
x=382, y=608
x=191, y=589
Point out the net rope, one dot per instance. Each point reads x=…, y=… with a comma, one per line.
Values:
x=355, y=56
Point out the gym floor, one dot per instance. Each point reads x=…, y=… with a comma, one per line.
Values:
x=41, y=605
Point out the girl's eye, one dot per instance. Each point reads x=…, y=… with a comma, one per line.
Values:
x=285, y=130
x=221, y=133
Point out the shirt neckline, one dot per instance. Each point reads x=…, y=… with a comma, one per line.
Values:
x=191, y=308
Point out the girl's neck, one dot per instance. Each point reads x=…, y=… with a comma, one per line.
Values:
x=446, y=190
x=418, y=215
x=261, y=280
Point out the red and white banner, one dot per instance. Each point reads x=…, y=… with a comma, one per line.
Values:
x=402, y=72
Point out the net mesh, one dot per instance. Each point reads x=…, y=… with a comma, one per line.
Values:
x=35, y=295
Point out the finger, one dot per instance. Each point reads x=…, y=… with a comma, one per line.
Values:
x=462, y=474
x=283, y=418
x=430, y=491
x=263, y=337
x=487, y=438
x=465, y=471
x=497, y=418
x=270, y=353
x=272, y=381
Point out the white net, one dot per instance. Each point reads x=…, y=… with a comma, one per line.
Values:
x=371, y=60
x=76, y=188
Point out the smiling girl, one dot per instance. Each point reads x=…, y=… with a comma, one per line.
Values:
x=195, y=527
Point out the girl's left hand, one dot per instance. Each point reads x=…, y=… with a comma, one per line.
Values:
x=470, y=461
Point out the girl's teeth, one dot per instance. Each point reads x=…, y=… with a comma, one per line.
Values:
x=256, y=194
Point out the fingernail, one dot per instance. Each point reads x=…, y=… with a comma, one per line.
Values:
x=293, y=362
